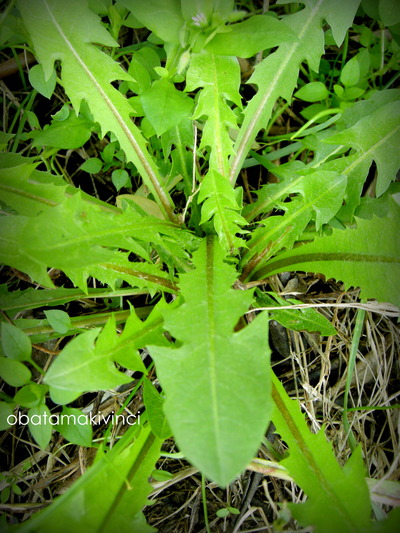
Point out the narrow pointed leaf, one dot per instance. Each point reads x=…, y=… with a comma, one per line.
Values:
x=216, y=381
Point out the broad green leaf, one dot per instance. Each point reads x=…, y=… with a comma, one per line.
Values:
x=70, y=133
x=376, y=136
x=140, y=74
x=58, y=320
x=312, y=92
x=14, y=372
x=247, y=38
x=366, y=257
x=193, y=8
x=111, y=493
x=15, y=343
x=74, y=426
x=37, y=80
x=213, y=370
x=92, y=165
x=338, y=499
x=87, y=73
x=350, y=74
x=120, y=178
x=31, y=395
x=163, y=17
x=389, y=12
x=39, y=425
x=164, y=106
x=277, y=75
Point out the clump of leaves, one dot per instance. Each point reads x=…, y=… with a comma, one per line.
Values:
x=184, y=235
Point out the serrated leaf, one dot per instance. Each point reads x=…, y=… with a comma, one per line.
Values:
x=111, y=493
x=84, y=365
x=219, y=78
x=366, y=257
x=74, y=235
x=245, y=39
x=277, y=75
x=87, y=73
x=164, y=106
x=322, y=192
x=208, y=376
x=377, y=137
x=338, y=499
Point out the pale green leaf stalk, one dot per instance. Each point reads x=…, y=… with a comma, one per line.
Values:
x=216, y=381
x=70, y=29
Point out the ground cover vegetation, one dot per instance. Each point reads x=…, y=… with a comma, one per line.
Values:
x=199, y=240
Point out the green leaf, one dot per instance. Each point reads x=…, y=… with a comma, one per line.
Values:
x=87, y=73
x=73, y=236
x=366, y=257
x=6, y=411
x=213, y=369
x=338, y=499
x=69, y=134
x=120, y=178
x=16, y=301
x=389, y=12
x=31, y=395
x=350, y=74
x=81, y=366
x=312, y=92
x=154, y=402
x=219, y=77
x=58, y=320
x=39, y=425
x=277, y=75
x=111, y=493
x=163, y=17
x=164, y=106
x=296, y=319
x=14, y=372
x=15, y=343
x=376, y=136
x=247, y=38
x=75, y=427
x=37, y=80
x=84, y=365
x=92, y=165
